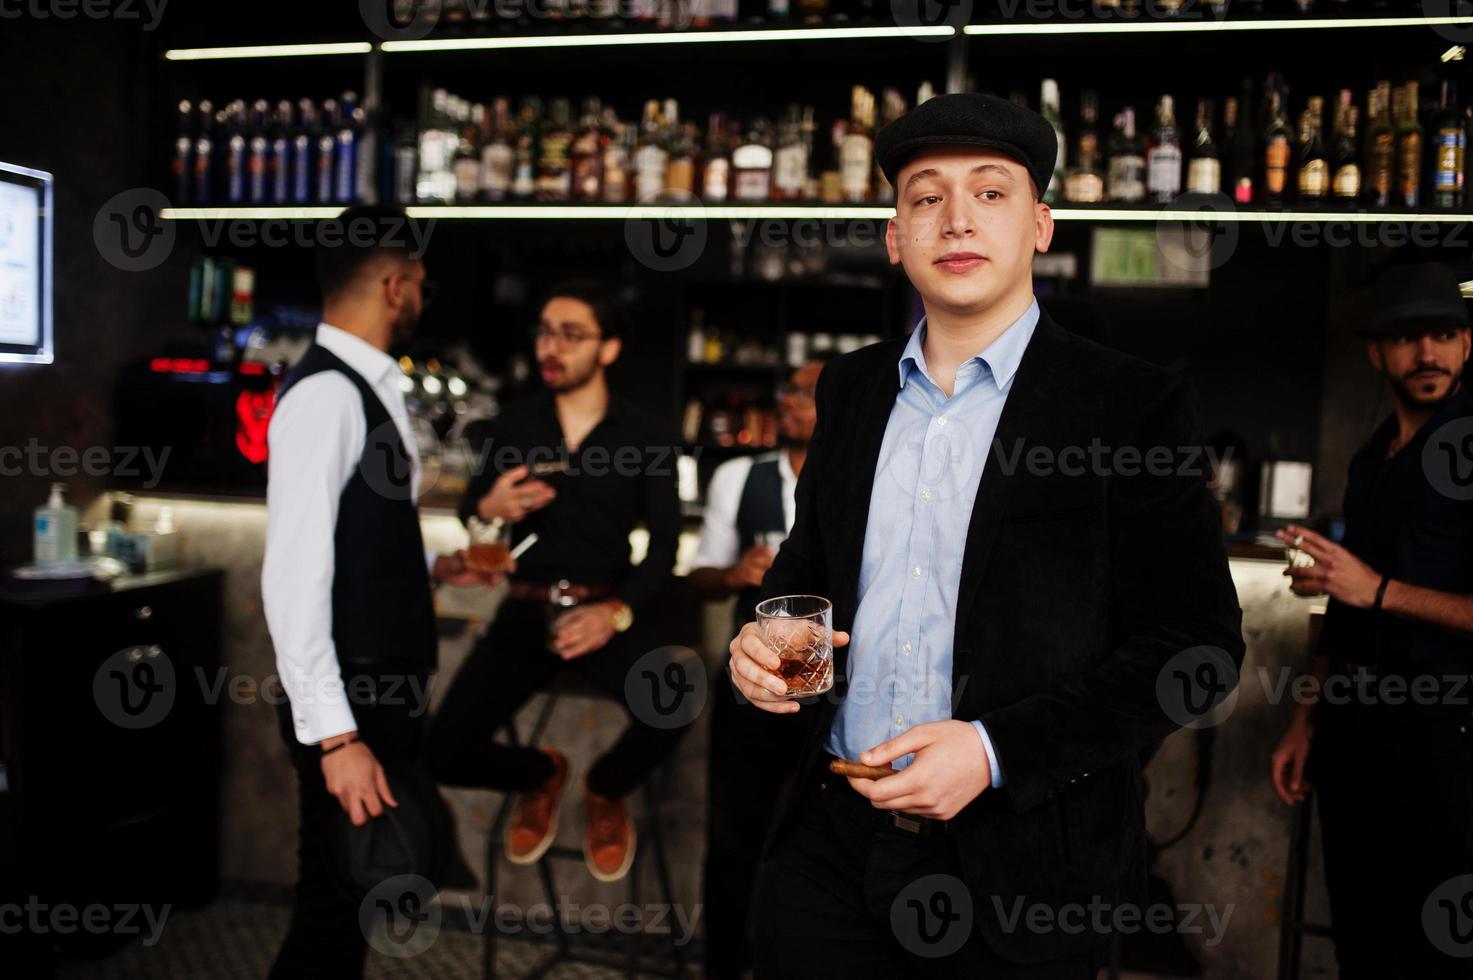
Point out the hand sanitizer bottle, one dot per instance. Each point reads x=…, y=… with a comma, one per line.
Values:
x=56, y=529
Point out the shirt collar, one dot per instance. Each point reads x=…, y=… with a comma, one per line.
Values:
x=358, y=353
x=1001, y=357
x=785, y=467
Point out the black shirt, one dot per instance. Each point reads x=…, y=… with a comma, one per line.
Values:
x=1407, y=519
x=622, y=474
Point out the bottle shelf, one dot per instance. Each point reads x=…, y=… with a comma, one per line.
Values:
x=631, y=212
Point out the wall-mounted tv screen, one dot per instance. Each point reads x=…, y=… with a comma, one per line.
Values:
x=25, y=265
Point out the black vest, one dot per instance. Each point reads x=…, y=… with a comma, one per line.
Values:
x=759, y=512
x=382, y=610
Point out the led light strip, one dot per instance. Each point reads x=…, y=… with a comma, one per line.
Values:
x=837, y=213
x=268, y=51
x=667, y=37
x=1167, y=27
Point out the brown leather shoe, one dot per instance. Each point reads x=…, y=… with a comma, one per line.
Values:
x=608, y=837
x=533, y=824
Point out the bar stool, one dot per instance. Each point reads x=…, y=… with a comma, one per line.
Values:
x=1294, y=928
x=570, y=684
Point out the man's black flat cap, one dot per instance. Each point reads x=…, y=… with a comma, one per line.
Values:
x=971, y=119
x=1417, y=297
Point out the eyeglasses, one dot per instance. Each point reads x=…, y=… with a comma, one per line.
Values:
x=428, y=288
x=542, y=334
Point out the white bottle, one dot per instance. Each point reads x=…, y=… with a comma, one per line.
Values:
x=56, y=530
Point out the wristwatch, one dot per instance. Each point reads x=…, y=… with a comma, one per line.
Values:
x=623, y=616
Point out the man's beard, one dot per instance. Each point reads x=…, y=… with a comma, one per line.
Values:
x=572, y=380
x=1404, y=389
x=402, y=332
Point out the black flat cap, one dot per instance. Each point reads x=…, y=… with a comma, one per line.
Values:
x=1417, y=297
x=971, y=119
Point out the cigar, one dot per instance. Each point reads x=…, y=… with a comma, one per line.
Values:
x=521, y=548
x=844, y=767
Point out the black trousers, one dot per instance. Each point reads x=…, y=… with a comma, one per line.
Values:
x=1395, y=790
x=751, y=754
x=325, y=939
x=838, y=897
x=509, y=664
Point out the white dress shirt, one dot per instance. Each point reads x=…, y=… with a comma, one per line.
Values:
x=720, y=545
x=315, y=444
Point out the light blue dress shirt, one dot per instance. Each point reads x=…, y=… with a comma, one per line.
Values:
x=931, y=462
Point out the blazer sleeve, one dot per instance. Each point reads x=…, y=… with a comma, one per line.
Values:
x=800, y=567
x=1172, y=592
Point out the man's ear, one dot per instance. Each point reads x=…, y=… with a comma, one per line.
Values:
x=1373, y=351
x=891, y=248
x=609, y=350
x=1043, y=224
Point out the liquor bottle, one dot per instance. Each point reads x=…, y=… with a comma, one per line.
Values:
x=236, y=165
x=1408, y=147
x=302, y=147
x=1345, y=179
x=1277, y=147
x=812, y=11
x=1163, y=158
x=406, y=158
x=892, y=107
x=1127, y=171
x=680, y=173
x=807, y=126
x=524, y=174
x=650, y=156
x=346, y=148
x=281, y=153
x=1048, y=101
x=258, y=149
x=466, y=165
x=1314, y=162
x=497, y=158
x=1242, y=166
x=554, y=173
x=790, y=159
x=1449, y=141
x=327, y=140
x=830, y=180
x=366, y=152
x=856, y=159
x=1204, y=172
x=618, y=159
x=182, y=165
x=1086, y=183
x=587, y=154
x=1380, y=147
x=716, y=177
x=751, y=164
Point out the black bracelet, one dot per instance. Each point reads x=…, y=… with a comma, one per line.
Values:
x=340, y=745
x=1381, y=592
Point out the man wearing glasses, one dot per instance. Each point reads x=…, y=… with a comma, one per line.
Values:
x=580, y=468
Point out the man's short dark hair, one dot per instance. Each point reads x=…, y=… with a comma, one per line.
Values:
x=608, y=312
x=357, y=241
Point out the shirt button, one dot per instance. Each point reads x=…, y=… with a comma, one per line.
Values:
x=941, y=420
x=925, y=493
x=915, y=572
x=907, y=646
x=899, y=720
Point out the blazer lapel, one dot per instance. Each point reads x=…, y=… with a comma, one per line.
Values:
x=1027, y=402
x=871, y=418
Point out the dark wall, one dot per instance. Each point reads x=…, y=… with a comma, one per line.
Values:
x=76, y=104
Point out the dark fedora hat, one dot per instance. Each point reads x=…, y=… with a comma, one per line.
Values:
x=970, y=119
x=417, y=837
x=1417, y=297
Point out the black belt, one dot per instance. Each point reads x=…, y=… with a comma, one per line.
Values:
x=837, y=788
